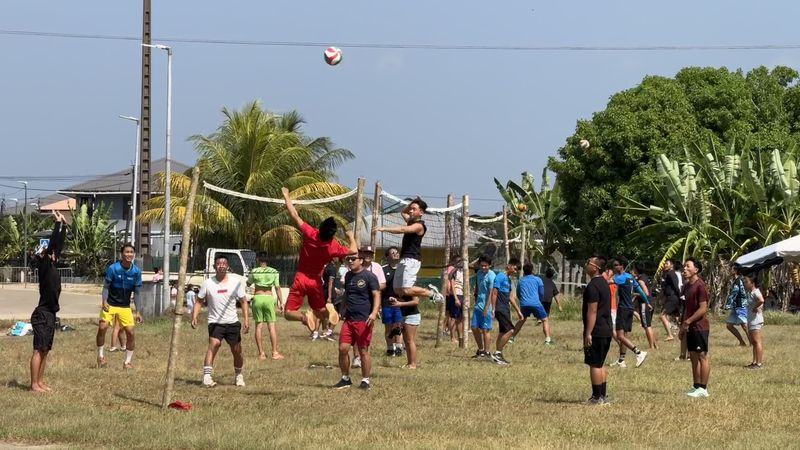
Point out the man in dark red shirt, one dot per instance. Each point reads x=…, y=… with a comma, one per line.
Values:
x=695, y=326
x=319, y=248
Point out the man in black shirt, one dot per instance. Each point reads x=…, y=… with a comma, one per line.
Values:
x=597, y=331
x=671, y=290
x=43, y=318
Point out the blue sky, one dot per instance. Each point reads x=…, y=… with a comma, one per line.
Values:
x=427, y=122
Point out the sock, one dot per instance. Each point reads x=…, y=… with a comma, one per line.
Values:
x=547, y=339
x=128, y=356
x=100, y=352
x=603, y=389
x=696, y=385
x=636, y=351
x=596, y=389
x=346, y=377
x=207, y=370
x=237, y=371
x=621, y=357
x=365, y=380
x=702, y=386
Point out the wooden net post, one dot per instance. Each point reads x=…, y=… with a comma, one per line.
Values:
x=359, y=210
x=505, y=234
x=179, y=309
x=376, y=211
x=467, y=303
x=448, y=218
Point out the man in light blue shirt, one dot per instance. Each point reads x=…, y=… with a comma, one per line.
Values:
x=482, y=313
x=531, y=292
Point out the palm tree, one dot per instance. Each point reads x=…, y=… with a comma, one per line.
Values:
x=257, y=152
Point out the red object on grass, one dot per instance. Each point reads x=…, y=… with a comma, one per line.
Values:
x=177, y=404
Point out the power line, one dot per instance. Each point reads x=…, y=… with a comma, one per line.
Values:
x=30, y=189
x=528, y=48
x=49, y=178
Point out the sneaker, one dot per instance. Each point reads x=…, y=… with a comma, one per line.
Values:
x=114, y=349
x=364, y=386
x=101, y=362
x=208, y=381
x=398, y=351
x=550, y=342
x=498, y=359
x=126, y=366
x=343, y=384
x=754, y=366
x=640, y=358
x=698, y=393
x=479, y=354
x=595, y=401
x=315, y=336
x=356, y=362
x=240, y=380
x=619, y=364
x=436, y=296
x=390, y=351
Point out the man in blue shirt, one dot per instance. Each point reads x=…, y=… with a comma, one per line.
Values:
x=501, y=303
x=482, y=313
x=626, y=286
x=530, y=292
x=122, y=280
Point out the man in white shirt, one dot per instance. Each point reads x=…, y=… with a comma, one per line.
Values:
x=221, y=293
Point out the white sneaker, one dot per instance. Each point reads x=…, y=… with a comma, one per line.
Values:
x=315, y=335
x=698, y=393
x=619, y=364
x=240, y=380
x=208, y=381
x=356, y=362
x=640, y=358
x=436, y=296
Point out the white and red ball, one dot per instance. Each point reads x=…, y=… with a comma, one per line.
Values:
x=333, y=55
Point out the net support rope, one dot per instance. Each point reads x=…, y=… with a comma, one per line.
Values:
x=436, y=210
x=318, y=201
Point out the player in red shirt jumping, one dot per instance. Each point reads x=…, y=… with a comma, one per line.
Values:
x=319, y=247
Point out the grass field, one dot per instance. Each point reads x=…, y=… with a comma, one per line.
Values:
x=451, y=401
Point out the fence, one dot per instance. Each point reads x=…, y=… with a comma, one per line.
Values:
x=13, y=274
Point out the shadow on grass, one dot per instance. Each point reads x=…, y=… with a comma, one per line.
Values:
x=189, y=382
x=14, y=384
x=138, y=400
x=558, y=400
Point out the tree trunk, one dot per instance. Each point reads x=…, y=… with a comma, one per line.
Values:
x=179, y=309
x=462, y=342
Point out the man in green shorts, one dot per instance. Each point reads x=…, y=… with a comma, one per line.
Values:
x=265, y=278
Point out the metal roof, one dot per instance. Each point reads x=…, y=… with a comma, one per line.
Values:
x=119, y=182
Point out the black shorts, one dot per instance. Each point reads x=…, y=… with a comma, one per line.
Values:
x=44, y=328
x=455, y=312
x=624, y=320
x=672, y=307
x=697, y=341
x=504, y=321
x=547, y=306
x=595, y=356
x=645, y=315
x=231, y=332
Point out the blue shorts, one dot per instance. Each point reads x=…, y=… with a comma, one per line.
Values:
x=455, y=311
x=537, y=311
x=737, y=316
x=390, y=314
x=480, y=322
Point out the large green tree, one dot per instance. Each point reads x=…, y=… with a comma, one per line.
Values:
x=257, y=152
x=90, y=246
x=757, y=110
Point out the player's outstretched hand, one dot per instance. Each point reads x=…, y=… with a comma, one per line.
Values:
x=285, y=192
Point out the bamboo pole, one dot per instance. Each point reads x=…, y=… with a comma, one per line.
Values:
x=448, y=219
x=462, y=341
x=505, y=234
x=524, y=244
x=179, y=309
x=359, y=210
x=376, y=211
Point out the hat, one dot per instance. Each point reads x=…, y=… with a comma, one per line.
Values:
x=366, y=249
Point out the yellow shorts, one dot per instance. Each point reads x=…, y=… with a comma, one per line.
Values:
x=123, y=315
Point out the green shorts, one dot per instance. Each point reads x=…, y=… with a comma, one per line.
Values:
x=263, y=308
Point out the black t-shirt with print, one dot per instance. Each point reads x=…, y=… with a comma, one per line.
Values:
x=358, y=288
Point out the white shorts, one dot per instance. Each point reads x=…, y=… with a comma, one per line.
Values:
x=755, y=326
x=413, y=319
x=406, y=274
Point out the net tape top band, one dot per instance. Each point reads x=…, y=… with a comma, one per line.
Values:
x=406, y=202
x=318, y=201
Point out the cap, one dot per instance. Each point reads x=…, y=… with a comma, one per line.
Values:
x=366, y=249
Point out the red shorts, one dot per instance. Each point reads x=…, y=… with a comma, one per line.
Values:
x=305, y=286
x=358, y=333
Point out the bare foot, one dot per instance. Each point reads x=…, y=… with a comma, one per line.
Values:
x=37, y=388
x=262, y=356
x=44, y=386
x=276, y=356
x=668, y=338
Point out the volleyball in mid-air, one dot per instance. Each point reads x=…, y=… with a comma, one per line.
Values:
x=522, y=207
x=333, y=55
x=584, y=144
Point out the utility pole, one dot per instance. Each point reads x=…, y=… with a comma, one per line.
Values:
x=25, y=232
x=143, y=237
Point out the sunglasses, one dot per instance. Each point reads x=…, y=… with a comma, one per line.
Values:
x=352, y=258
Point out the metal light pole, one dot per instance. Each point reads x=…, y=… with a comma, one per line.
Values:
x=167, y=175
x=25, y=233
x=134, y=194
